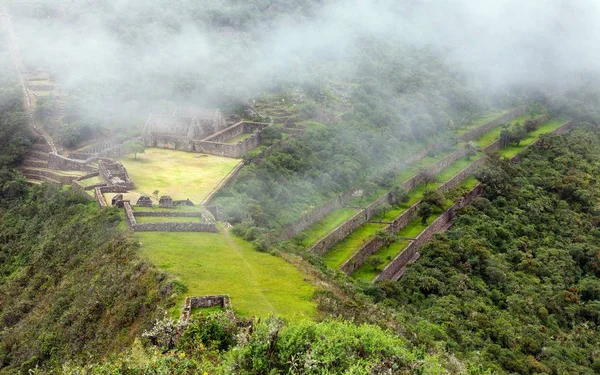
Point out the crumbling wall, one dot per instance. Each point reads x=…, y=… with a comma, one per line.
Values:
x=59, y=162
x=223, y=301
x=100, y=198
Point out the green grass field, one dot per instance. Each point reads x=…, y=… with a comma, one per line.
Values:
x=161, y=219
x=238, y=138
x=179, y=174
x=493, y=135
x=259, y=284
x=367, y=273
x=546, y=127
x=344, y=249
x=480, y=121
x=91, y=181
x=327, y=224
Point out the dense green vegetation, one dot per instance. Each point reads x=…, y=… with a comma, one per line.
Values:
x=515, y=284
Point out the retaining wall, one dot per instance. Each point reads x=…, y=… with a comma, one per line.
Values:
x=438, y=225
x=167, y=214
x=477, y=132
x=223, y=301
x=100, y=198
x=396, y=268
x=175, y=227
x=234, y=150
x=59, y=162
x=339, y=233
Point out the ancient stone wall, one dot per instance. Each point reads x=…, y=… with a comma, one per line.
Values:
x=478, y=132
x=436, y=226
x=396, y=268
x=100, y=198
x=129, y=216
x=225, y=182
x=59, y=162
x=316, y=214
x=168, y=214
x=230, y=132
x=89, y=175
x=339, y=233
x=175, y=227
x=234, y=150
x=223, y=301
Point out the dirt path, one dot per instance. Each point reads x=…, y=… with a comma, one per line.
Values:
x=28, y=99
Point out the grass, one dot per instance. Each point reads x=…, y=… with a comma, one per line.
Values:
x=493, y=135
x=546, y=127
x=480, y=121
x=172, y=209
x=367, y=273
x=91, y=181
x=327, y=224
x=179, y=174
x=344, y=249
x=238, y=138
x=259, y=284
x=162, y=219
x=453, y=169
x=60, y=173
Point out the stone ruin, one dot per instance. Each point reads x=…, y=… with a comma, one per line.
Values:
x=165, y=201
x=114, y=174
x=176, y=130
x=116, y=198
x=200, y=130
x=118, y=201
x=186, y=202
x=144, y=201
x=222, y=301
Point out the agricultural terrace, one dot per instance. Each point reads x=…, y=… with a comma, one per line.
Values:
x=259, y=284
x=415, y=227
x=180, y=174
x=344, y=249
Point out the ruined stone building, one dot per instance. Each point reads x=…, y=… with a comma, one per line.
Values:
x=201, y=130
x=177, y=130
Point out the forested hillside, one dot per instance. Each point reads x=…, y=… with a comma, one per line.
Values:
x=515, y=284
x=71, y=285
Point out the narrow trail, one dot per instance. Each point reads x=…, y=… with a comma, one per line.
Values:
x=28, y=99
x=250, y=271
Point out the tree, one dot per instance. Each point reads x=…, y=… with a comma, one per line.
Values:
x=155, y=193
x=386, y=237
x=518, y=133
x=425, y=211
x=471, y=149
x=428, y=177
x=374, y=263
x=135, y=147
x=435, y=198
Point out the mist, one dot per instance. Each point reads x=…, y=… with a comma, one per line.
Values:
x=122, y=56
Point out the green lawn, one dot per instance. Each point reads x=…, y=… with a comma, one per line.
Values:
x=91, y=181
x=546, y=127
x=259, y=284
x=344, y=249
x=327, y=224
x=367, y=273
x=493, y=135
x=172, y=209
x=161, y=219
x=179, y=174
x=453, y=169
x=480, y=121
x=238, y=138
